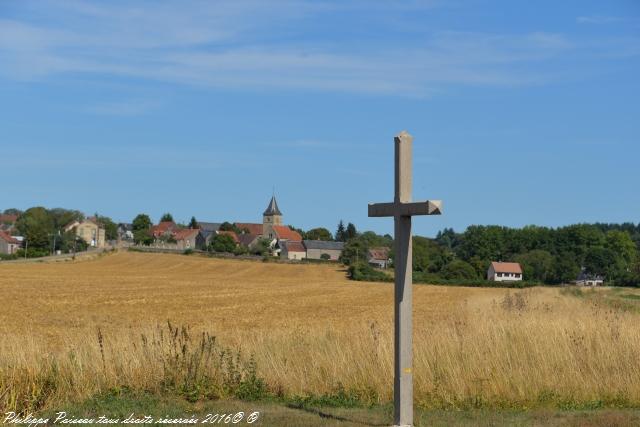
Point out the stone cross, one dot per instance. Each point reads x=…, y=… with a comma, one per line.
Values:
x=402, y=209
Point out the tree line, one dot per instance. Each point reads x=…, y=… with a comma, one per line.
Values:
x=547, y=255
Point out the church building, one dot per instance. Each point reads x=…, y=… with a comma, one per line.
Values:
x=272, y=227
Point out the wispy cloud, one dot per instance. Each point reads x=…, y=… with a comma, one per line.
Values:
x=134, y=107
x=598, y=19
x=247, y=46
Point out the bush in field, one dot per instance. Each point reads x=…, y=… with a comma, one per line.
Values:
x=364, y=272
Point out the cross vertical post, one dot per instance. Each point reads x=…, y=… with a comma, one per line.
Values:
x=403, y=298
x=402, y=209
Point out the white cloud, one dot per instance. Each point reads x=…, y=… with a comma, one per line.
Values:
x=247, y=45
x=133, y=107
x=597, y=19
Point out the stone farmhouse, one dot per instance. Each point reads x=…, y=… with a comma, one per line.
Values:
x=504, y=272
x=89, y=231
x=317, y=248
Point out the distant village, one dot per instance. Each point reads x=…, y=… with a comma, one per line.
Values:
x=582, y=254
x=270, y=237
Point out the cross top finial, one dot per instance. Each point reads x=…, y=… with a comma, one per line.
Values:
x=404, y=135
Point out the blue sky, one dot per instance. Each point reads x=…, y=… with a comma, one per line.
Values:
x=522, y=112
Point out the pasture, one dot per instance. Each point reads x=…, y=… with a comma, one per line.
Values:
x=208, y=328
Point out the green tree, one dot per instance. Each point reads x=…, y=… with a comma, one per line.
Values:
x=458, y=270
x=141, y=234
x=142, y=237
x=12, y=211
x=319, y=233
x=193, y=224
x=222, y=243
x=166, y=217
x=565, y=268
x=601, y=261
x=36, y=226
x=350, y=232
x=620, y=242
x=110, y=227
x=141, y=222
x=262, y=247
x=341, y=232
x=355, y=251
x=428, y=255
x=537, y=265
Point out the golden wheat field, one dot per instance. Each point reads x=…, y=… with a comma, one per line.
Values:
x=200, y=325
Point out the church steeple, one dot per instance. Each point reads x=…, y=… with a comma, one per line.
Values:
x=271, y=216
x=272, y=209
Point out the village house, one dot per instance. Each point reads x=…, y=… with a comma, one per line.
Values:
x=504, y=272
x=163, y=230
x=125, y=231
x=8, y=244
x=587, y=279
x=248, y=240
x=378, y=257
x=207, y=231
x=89, y=231
x=317, y=248
x=185, y=238
x=292, y=250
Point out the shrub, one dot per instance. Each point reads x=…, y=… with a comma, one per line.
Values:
x=364, y=272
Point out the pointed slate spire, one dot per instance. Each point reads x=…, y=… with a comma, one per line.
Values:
x=272, y=209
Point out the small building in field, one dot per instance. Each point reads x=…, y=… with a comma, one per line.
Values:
x=89, y=231
x=8, y=244
x=587, y=279
x=292, y=250
x=378, y=257
x=504, y=272
x=317, y=248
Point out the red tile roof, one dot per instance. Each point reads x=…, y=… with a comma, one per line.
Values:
x=253, y=228
x=184, y=233
x=295, y=247
x=162, y=228
x=507, y=267
x=8, y=218
x=7, y=238
x=233, y=235
x=285, y=233
x=381, y=254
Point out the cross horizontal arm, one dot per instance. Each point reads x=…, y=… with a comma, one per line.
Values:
x=429, y=207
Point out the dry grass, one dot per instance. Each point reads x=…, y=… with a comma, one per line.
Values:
x=309, y=328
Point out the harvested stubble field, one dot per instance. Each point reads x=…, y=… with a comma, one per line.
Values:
x=73, y=329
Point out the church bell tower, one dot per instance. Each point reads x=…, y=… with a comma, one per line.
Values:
x=271, y=216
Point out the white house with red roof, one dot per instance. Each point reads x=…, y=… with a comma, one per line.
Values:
x=504, y=272
x=8, y=244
